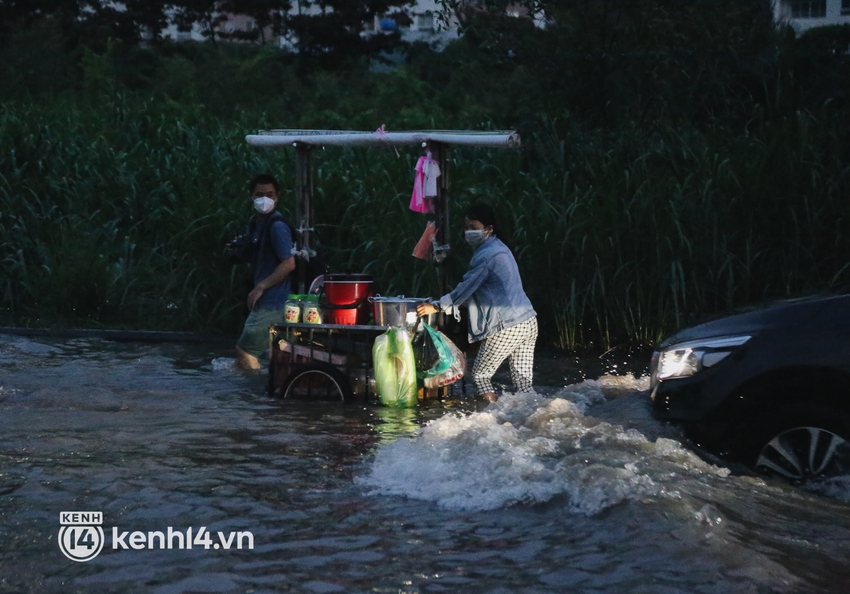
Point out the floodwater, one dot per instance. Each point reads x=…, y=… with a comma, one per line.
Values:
x=577, y=489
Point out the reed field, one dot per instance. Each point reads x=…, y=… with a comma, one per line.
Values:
x=115, y=201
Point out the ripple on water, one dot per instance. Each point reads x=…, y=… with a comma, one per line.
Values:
x=577, y=488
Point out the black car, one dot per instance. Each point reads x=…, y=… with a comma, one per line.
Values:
x=768, y=387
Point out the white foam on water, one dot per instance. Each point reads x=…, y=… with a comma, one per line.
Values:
x=527, y=448
x=224, y=364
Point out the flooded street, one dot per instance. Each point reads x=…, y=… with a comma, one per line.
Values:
x=577, y=489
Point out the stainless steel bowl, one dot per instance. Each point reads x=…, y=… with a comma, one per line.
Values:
x=398, y=311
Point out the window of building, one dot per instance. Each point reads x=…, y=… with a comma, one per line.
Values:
x=809, y=9
x=425, y=21
x=845, y=6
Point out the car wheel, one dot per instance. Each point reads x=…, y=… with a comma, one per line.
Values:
x=316, y=381
x=802, y=453
x=803, y=446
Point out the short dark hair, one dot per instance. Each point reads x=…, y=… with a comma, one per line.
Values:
x=261, y=180
x=482, y=213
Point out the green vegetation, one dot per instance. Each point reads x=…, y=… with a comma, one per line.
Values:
x=658, y=183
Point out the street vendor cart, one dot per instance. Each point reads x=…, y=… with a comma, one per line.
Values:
x=334, y=361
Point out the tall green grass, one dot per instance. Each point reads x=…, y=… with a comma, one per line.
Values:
x=115, y=202
x=115, y=214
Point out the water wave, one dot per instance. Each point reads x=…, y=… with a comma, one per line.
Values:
x=528, y=448
x=224, y=364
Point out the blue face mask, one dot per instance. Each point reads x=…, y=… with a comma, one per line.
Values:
x=474, y=237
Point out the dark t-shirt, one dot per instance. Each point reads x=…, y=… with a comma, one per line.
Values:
x=278, y=247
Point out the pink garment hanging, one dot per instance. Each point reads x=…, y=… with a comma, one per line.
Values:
x=424, y=184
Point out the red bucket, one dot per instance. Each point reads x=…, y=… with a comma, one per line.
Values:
x=347, y=316
x=345, y=298
x=347, y=289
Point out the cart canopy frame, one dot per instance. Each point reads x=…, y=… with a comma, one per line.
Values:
x=437, y=141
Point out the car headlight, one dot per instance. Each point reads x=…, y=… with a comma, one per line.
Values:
x=687, y=358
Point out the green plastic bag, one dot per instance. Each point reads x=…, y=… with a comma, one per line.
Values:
x=447, y=358
x=395, y=368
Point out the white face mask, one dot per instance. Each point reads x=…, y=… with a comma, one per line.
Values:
x=263, y=205
x=474, y=237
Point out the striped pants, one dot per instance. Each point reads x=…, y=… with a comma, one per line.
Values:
x=517, y=345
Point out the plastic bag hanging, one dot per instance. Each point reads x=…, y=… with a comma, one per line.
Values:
x=395, y=368
x=422, y=249
x=425, y=350
x=455, y=371
x=451, y=365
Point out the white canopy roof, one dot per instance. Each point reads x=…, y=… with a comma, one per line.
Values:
x=322, y=138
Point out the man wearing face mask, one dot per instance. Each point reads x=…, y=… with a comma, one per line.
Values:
x=500, y=313
x=273, y=263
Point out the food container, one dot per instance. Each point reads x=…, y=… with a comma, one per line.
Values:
x=310, y=311
x=292, y=309
x=397, y=311
x=347, y=289
x=345, y=298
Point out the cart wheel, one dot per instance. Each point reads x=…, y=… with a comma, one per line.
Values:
x=316, y=381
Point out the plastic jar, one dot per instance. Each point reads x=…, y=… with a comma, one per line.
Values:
x=292, y=310
x=310, y=312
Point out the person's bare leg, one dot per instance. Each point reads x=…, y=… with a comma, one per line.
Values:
x=246, y=361
x=490, y=396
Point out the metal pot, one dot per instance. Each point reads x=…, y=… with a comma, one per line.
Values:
x=397, y=311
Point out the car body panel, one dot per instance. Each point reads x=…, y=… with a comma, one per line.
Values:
x=793, y=342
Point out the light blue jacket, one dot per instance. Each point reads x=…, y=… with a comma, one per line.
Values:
x=493, y=291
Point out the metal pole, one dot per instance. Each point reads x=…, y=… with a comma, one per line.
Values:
x=439, y=152
x=303, y=208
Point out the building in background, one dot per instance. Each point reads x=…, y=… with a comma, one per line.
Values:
x=420, y=22
x=802, y=15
